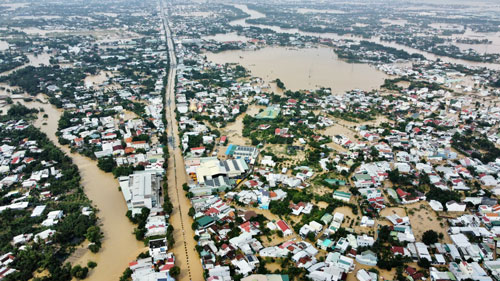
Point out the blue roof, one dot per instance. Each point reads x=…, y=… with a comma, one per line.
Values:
x=229, y=149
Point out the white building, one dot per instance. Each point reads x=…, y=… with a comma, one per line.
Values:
x=141, y=190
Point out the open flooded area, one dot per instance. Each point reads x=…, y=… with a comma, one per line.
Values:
x=226, y=37
x=308, y=68
x=253, y=14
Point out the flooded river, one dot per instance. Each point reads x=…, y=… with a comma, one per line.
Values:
x=226, y=37
x=308, y=68
x=119, y=244
x=255, y=15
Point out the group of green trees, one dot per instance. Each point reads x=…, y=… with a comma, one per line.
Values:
x=11, y=60
x=475, y=146
x=357, y=53
x=139, y=219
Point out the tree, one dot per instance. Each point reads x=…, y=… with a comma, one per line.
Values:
x=94, y=234
x=126, y=274
x=79, y=272
x=280, y=84
x=430, y=237
x=91, y=264
x=175, y=271
x=95, y=247
x=424, y=263
x=311, y=236
x=106, y=164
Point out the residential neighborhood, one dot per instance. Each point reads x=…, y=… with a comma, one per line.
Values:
x=171, y=140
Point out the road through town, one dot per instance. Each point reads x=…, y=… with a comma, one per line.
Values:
x=184, y=249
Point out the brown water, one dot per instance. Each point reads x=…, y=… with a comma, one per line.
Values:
x=38, y=60
x=95, y=80
x=493, y=48
x=308, y=68
x=255, y=15
x=119, y=244
x=226, y=37
x=234, y=130
x=186, y=256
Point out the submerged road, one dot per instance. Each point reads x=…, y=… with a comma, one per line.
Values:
x=184, y=249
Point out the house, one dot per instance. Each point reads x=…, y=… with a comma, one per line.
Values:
x=437, y=275
x=423, y=251
x=265, y=277
x=247, y=153
x=283, y=226
x=270, y=112
x=453, y=206
x=205, y=221
x=341, y=195
x=367, y=222
x=198, y=151
x=436, y=205
x=365, y=240
x=367, y=258
x=363, y=275
x=326, y=218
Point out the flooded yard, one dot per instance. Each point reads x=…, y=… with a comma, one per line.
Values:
x=95, y=80
x=234, y=130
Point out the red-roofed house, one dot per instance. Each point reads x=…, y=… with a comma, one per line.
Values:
x=284, y=228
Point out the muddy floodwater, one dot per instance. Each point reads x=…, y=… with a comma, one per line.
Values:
x=253, y=14
x=309, y=68
x=226, y=37
x=119, y=244
x=95, y=80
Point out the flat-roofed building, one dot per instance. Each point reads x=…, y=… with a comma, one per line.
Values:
x=141, y=190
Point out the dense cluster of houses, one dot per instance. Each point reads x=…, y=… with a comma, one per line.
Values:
x=25, y=185
x=413, y=146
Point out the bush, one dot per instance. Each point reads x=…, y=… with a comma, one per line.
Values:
x=94, y=234
x=91, y=264
x=175, y=271
x=95, y=247
x=79, y=272
x=126, y=274
x=430, y=237
x=106, y=164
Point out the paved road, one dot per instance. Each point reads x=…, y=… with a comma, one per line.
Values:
x=184, y=249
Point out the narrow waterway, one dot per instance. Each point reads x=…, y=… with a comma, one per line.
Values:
x=119, y=244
